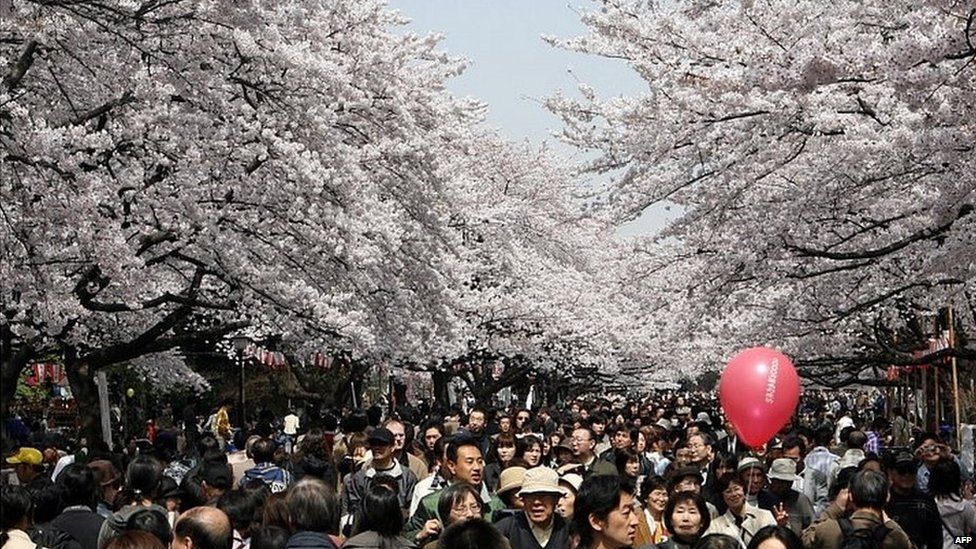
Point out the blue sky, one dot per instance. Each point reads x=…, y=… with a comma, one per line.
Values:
x=512, y=69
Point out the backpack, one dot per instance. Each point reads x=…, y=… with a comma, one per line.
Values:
x=861, y=538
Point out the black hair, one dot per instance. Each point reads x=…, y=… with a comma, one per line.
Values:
x=151, y=521
x=456, y=443
x=868, y=458
x=927, y=435
x=794, y=441
x=313, y=506
x=784, y=534
x=842, y=482
x=374, y=414
x=945, y=478
x=726, y=480
x=623, y=456
x=432, y=424
x=47, y=503
x=473, y=534
x=269, y=537
x=263, y=450
x=524, y=443
x=191, y=490
x=823, y=436
x=207, y=442
x=142, y=478
x=77, y=485
x=451, y=496
x=869, y=489
x=718, y=541
x=17, y=506
x=380, y=512
x=239, y=506
x=598, y=495
x=687, y=497
x=440, y=446
x=651, y=483
x=216, y=475
x=355, y=422
x=726, y=459
x=167, y=489
x=844, y=433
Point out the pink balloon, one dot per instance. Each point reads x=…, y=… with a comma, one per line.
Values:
x=759, y=391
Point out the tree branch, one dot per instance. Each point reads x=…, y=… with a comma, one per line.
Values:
x=924, y=234
x=127, y=97
x=20, y=68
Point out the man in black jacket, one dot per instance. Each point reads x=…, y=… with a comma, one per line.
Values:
x=913, y=510
x=78, y=519
x=538, y=526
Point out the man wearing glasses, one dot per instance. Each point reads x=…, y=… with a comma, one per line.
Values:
x=586, y=463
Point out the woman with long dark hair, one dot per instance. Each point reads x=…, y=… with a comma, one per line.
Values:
x=314, y=458
x=528, y=448
x=142, y=481
x=958, y=514
x=502, y=453
x=379, y=522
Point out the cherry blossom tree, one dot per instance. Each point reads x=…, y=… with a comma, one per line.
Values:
x=177, y=171
x=539, y=293
x=822, y=158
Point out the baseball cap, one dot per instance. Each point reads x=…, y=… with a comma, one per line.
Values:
x=380, y=436
x=26, y=455
x=905, y=463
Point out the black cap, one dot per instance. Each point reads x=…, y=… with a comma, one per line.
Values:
x=685, y=472
x=381, y=436
x=905, y=463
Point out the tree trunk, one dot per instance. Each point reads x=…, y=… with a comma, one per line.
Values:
x=81, y=376
x=12, y=363
x=441, y=381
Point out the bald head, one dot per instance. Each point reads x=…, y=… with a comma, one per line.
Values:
x=202, y=528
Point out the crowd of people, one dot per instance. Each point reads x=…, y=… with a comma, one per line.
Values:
x=666, y=472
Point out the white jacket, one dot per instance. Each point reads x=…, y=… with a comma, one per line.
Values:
x=756, y=518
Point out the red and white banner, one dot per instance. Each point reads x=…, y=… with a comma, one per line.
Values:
x=43, y=371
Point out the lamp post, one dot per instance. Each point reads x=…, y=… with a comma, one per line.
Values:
x=240, y=343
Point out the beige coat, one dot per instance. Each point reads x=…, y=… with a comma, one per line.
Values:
x=756, y=518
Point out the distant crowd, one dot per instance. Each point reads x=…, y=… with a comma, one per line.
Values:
x=666, y=472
